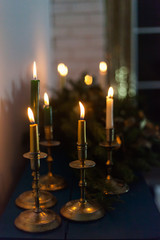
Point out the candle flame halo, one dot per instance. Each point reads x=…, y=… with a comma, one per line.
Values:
x=31, y=115
x=62, y=69
x=110, y=92
x=103, y=67
x=88, y=79
x=34, y=70
x=46, y=99
x=82, y=110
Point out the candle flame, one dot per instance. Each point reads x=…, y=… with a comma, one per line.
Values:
x=103, y=67
x=110, y=92
x=31, y=115
x=62, y=69
x=82, y=110
x=46, y=99
x=34, y=70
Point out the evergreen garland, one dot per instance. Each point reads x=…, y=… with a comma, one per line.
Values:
x=140, y=138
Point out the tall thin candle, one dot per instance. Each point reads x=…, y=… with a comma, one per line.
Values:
x=35, y=94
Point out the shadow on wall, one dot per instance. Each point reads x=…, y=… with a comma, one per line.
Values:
x=14, y=124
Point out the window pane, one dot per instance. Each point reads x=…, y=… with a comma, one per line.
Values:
x=149, y=57
x=148, y=101
x=148, y=13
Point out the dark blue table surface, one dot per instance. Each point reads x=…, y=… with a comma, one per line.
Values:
x=135, y=217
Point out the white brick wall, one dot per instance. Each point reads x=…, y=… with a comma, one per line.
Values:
x=78, y=35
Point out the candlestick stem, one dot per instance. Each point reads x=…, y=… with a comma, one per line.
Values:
x=35, y=163
x=50, y=162
x=82, y=185
x=118, y=186
x=50, y=181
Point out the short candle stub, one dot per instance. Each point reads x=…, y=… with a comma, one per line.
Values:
x=110, y=135
x=48, y=130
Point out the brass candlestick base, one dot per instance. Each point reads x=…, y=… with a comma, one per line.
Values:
x=37, y=219
x=26, y=199
x=51, y=182
x=79, y=211
x=30, y=221
x=118, y=186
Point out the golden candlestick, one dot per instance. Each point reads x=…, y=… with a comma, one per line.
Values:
x=26, y=199
x=37, y=219
x=82, y=209
x=51, y=182
x=118, y=186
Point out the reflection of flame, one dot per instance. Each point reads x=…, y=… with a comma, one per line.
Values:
x=62, y=69
x=34, y=70
x=31, y=115
x=103, y=67
x=82, y=110
x=46, y=99
x=110, y=92
x=118, y=140
x=88, y=79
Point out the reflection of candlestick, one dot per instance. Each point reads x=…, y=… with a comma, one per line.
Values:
x=34, y=139
x=103, y=75
x=47, y=111
x=63, y=71
x=81, y=126
x=109, y=109
x=35, y=94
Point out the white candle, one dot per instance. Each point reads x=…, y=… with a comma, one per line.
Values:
x=63, y=71
x=103, y=75
x=109, y=109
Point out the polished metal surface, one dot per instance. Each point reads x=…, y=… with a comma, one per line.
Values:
x=118, y=186
x=77, y=211
x=42, y=221
x=52, y=182
x=50, y=143
x=78, y=164
x=30, y=155
x=27, y=200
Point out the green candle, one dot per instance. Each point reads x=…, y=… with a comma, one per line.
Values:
x=35, y=94
x=47, y=111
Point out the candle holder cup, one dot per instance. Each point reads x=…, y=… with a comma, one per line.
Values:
x=37, y=219
x=118, y=186
x=82, y=209
x=51, y=182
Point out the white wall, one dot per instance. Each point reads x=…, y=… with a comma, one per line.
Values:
x=79, y=35
x=24, y=37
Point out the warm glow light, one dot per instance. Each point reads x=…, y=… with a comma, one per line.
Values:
x=88, y=79
x=34, y=70
x=82, y=110
x=103, y=67
x=110, y=92
x=62, y=69
x=46, y=99
x=31, y=115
